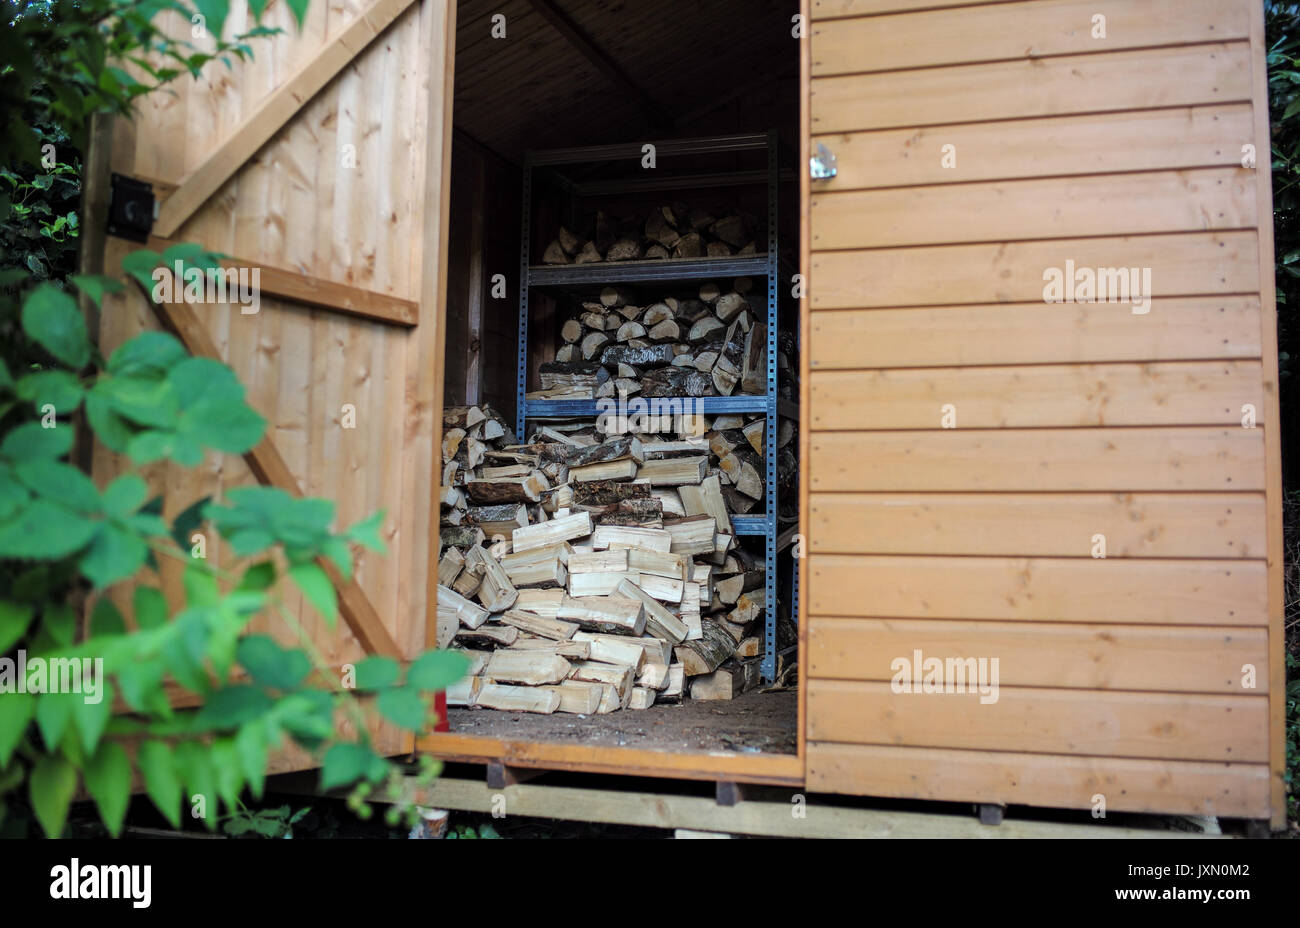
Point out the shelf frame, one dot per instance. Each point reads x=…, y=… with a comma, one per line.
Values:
x=766, y=266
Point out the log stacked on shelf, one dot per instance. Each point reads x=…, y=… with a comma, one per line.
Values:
x=673, y=230
x=587, y=573
x=626, y=344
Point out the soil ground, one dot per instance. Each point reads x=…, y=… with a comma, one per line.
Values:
x=752, y=723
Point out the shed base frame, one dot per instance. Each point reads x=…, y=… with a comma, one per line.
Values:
x=798, y=816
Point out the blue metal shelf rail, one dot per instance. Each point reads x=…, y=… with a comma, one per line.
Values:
x=765, y=265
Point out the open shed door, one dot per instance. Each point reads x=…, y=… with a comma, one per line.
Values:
x=324, y=162
x=975, y=447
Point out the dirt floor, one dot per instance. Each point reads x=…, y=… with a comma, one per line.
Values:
x=753, y=723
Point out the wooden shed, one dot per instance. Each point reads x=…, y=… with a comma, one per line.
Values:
x=1038, y=368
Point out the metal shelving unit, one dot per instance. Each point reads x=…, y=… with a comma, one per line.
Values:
x=766, y=266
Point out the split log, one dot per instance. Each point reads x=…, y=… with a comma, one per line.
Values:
x=552, y=532
x=744, y=469
x=614, y=649
x=675, y=382
x=615, y=536
x=692, y=535
x=704, y=329
x=544, y=603
x=577, y=696
x=593, y=344
x=729, y=589
x=707, y=653
x=496, y=592
x=659, y=622
x=674, y=471
x=554, y=253
x=642, y=698
x=508, y=490
x=469, y=614
x=649, y=356
x=690, y=245
x=590, y=254
x=656, y=313
x=555, y=374
x=518, y=698
x=630, y=330
x=625, y=249
x=729, y=305
x=616, y=614
x=502, y=635
x=571, y=331
x=529, y=667
x=568, y=241
x=461, y=536
x=733, y=230
x=538, y=625
x=462, y=417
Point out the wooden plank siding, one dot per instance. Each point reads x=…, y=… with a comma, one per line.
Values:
x=969, y=437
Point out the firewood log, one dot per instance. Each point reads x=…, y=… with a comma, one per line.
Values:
x=707, y=653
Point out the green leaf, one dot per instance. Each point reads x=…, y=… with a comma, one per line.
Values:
x=16, y=711
x=52, y=320
x=403, y=706
x=347, y=762
x=214, y=12
x=92, y=717
x=436, y=670
x=108, y=780
x=376, y=672
x=52, y=783
x=109, y=427
x=150, y=607
x=316, y=586
x=161, y=783
x=31, y=441
x=259, y=577
x=227, y=772
x=61, y=482
x=140, y=264
x=105, y=619
x=200, y=586
x=193, y=764
x=299, y=10
x=125, y=495
x=14, y=620
x=96, y=285
x=231, y=707
x=214, y=412
x=146, y=401
x=114, y=555
x=44, y=531
x=366, y=532
x=61, y=623
x=53, y=712
x=56, y=388
x=271, y=665
x=149, y=354
x=252, y=746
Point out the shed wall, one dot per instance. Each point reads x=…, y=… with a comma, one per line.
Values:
x=1123, y=675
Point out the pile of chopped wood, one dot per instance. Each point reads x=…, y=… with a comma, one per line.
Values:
x=587, y=573
x=713, y=345
x=672, y=231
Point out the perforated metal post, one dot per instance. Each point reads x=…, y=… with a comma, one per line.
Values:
x=768, y=667
x=525, y=284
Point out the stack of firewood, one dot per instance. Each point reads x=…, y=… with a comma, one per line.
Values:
x=587, y=573
x=713, y=345
x=672, y=231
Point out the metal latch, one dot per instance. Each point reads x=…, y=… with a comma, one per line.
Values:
x=822, y=164
x=131, y=208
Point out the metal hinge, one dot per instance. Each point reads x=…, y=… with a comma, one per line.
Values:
x=132, y=208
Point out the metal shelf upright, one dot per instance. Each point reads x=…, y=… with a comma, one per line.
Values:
x=647, y=272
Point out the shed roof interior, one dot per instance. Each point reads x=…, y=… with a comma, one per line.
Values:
x=589, y=72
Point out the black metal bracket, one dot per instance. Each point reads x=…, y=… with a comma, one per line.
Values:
x=131, y=208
